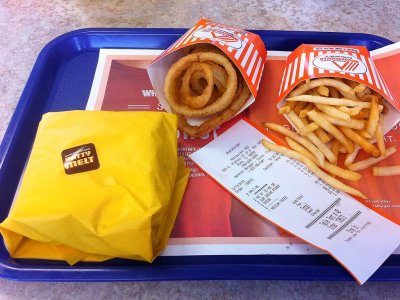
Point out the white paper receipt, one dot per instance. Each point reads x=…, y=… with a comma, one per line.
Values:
x=285, y=192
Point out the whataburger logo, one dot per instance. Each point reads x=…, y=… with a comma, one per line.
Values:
x=340, y=63
x=223, y=36
x=347, y=66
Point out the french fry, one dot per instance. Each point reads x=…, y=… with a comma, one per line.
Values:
x=366, y=163
x=380, y=137
x=350, y=157
x=287, y=108
x=344, y=109
x=327, y=126
x=333, y=112
x=351, y=111
x=342, y=149
x=322, y=135
x=375, y=93
x=313, y=138
x=315, y=92
x=343, y=88
x=352, y=123
x=359, y=140
x=335, y=147
x=305, y=121
x=303, y=112
x=291, y=104
x=299, y=106
x=350, y=83
x=313, y=168
x=310, y=92
x=364, y=134
x=381, y=101
x=323, y=91
x=354, y=110
x=363, y=114
x=308, y=128
x=284, y=109
x=299, y=148
x=319, y=131
x=368, y=98
x=359, y=88
x=331, y=168
x=373, y=116
x=298, y=138
x=333, y=92
x=386, y=171
x=342, y=173
x=329, y=101
x=366, y=91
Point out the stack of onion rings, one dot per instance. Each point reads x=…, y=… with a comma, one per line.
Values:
x=204, y=83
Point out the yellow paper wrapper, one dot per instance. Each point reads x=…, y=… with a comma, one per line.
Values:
x=98, y=185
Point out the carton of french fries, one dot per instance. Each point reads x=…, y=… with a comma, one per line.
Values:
x=339, y=105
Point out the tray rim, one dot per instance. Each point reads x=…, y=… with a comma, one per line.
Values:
x=163, y=272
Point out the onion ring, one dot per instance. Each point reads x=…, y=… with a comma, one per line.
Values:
x=220, y=77
x=197, y=101
x=240, y=99
x=198, y=80
x=206, y=48
x=172, y=85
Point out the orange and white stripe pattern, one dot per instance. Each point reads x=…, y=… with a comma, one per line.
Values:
x=249, y=57
x=300, y=66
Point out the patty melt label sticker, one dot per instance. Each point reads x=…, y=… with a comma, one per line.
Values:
x=80, y=159
x=340, y=63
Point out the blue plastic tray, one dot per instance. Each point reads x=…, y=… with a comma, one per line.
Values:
x=61, y=80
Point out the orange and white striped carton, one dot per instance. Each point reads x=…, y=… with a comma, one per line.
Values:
x=245, y=49
x=349, y=62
